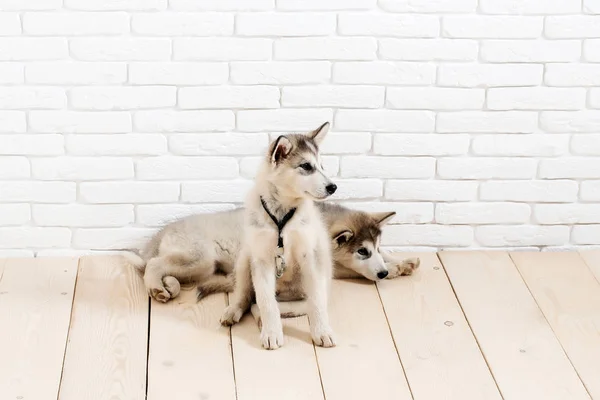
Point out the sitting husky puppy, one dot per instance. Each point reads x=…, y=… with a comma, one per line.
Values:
x=286, y=246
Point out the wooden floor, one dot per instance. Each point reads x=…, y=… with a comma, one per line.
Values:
x=467, y=325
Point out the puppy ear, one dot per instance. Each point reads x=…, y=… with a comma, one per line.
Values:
x=342, y=238
x=383, y=218
x=281, y=149
x=319, y=134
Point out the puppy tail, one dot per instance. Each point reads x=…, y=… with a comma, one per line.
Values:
x=133, y=259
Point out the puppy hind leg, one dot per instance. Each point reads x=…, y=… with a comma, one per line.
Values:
x=215, y=284
x=287, y=309
x=154, y=279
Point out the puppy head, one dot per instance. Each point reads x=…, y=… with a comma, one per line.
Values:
x=356, y=243
x=294, y=165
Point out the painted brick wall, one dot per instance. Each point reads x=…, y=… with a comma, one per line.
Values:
x=477, y=120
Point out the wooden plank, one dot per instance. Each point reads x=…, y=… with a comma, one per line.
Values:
x=190, y=352
x=438, y=350
x=106, y=353
x=364, y=365
x=592, y=259
x=2, y=263
x=36, y=296
x=569, y=296
x=289, y=372
x=522, y=352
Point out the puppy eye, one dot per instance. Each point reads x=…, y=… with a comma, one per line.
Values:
x=363, y=252
x=306, y=166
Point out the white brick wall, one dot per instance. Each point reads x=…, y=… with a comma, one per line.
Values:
x=478, y=121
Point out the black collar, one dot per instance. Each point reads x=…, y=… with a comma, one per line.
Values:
x=280, y=224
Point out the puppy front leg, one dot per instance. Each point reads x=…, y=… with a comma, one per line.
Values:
x=317, y=293
x=241, y=298
x=397, y=267
x=263, y=277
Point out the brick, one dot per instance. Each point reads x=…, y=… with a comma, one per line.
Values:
x=216, y=191
x=111, y=238
x=35, y=145
x=570, y=121
x=567, y=214
x=129, y=192
x=590, y=191
x=538, y=98
x=522, y=235
x=29, y=236
x=428, y=49
x=14, y=168
x=304, y=5
x=12, y=121
x=182, y=24
x=131, y=144
x=486, y=168
x=122, y=98
x=572, y=26
x=431, y=190
x=406, y=25
x=433, y=98
x=222, y=49
x=33, y=49
x=429, y=6
x=11, y=73
x=533, y=145
x=10, y=23
x=185, y=168
x=330, y=48
x=346, y=143
x=80, y=215
x=280, y=73
x=219, y=144
x=427, y=235
x=572, y=75
x=37, y=192
x=25, y=5
x=559, y=191
x=490, y=75
x=240, y=97
x=420, y=144
x=184, y=121
x=356, y=189
x=15, y=214
x=570, y=167
x=594, y=98
x=249, y=166
x=333, y=96
x=282, y=119
x=385, y=120
x=222, y=5
x=482, y=213
x=82, y=168
x=591, y=50
x=591, y=7
x=586, y=145
x=387, y=167
x=385, y=73
x=178, y=73
x=76, y=73
x=507, y=51
x=162, y=214
x=492, y=27
x=75, y=23
x=525, y=7
x=79, y=122
x=406, y=213
x=585, y=234
x=116, y=5
x=17, y=253
x=121, y=49
x=487, y=121
x=285, y=24
x=32, y=97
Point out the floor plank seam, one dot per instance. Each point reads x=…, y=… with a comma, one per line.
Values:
x=469, y=325
x=231, y=351
x=148, y=346
x=394, y=341
x=318, y=366
x=549, y=324
x=578, y=253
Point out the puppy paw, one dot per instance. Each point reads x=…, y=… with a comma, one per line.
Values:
x=172, y=285
x=231, y=315
x=271, y=339
x=403, y=268
x=324, y=338
x=160, y=294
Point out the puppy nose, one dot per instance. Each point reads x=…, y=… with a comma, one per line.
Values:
x=382, y=274
x=331, y=188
